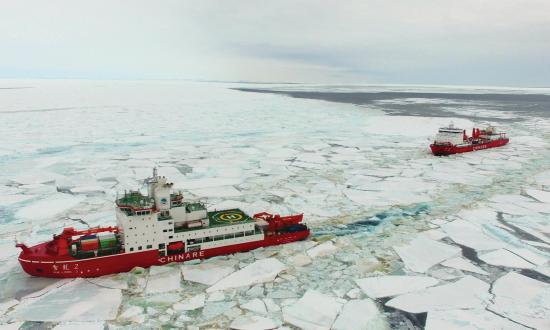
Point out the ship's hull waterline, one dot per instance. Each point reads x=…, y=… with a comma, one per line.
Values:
x=124, y=262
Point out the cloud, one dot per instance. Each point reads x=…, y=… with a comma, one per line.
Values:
x=478, y=42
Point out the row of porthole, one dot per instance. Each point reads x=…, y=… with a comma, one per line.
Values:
x=139, y=248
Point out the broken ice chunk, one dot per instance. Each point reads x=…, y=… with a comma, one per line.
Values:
x=191, y=303
x=540, y=195
x=463, y=264
x=252, y=322
x=468, y=292
x=208, y=273
x=523, y=300
x=505, y=258
x=320, y=250
x=255, y=305
x=465, y=233
x=80, y=326
x=163, y=279
x=264, y=270
x=422, y=253
x=48, y=207
x=479, y=319
x=313, y=311
x=78, y=300
x=360, y=314
x=392, y=285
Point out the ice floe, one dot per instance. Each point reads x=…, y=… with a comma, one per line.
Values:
x=540, y=195
x=264, y=270
x=252, y=322
x=192, y=303
x=466, y=233
x=163, y=279
x=48, y=207
x=468, y=292
x=478, y=319
x=255, y=305
x=503, y=257
x=208, y=272
x=323, y=249
x=392, y=285
x=77, y=300
x=360, y=314
x=522, y=299
x=313, y=311
x=422, y=253
x=463, y=264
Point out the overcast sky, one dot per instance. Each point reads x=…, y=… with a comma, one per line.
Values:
x=492, y=42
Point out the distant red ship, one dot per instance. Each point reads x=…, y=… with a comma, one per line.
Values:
x=157, y=229
x=451, y=140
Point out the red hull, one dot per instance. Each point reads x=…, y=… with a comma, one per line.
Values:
x=443, y=150
x=37, y=264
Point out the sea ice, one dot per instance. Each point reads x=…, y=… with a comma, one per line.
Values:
x=252, y=322
x=208, y=272
x=191, y=303
x=465, y=233
x=313, y=311
x=48, y=207
x=503, y=257
x=475, y=319
x=8, y=200
x=163, y=279
x=463, y=264
x=77, y=300
x=540, y=195
x=392, y=285
x=80, y=326
x=523, y=300
x=264, y=270
x=360, y=314
x=422, y=253
x=468, y=292
x=321, y=250
x=255, y=305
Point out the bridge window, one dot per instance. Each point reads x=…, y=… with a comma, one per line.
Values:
x=241, y=234
x=139, y=248
x=162, y=246
x=228, y=236
x=250, y=232
x=131, y=249
x=149, y=246
x=219, y=237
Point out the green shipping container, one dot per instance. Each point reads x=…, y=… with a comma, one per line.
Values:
x=107, y=242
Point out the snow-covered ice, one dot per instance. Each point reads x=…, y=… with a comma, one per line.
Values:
x=360, y=314
x=323, y=249
x=463, y=264
x=252, y=322
x=313, y=311
x=478, y=319
x=77, y=300
x=422, y=253
x=264, y=270
x=468, y=292
x=208, y=272
x=503, y=257
x=163, y=279
x=392, y=285
x=522, y=299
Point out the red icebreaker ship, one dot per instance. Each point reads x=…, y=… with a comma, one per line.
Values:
x=157, y=229
x=451, y=140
